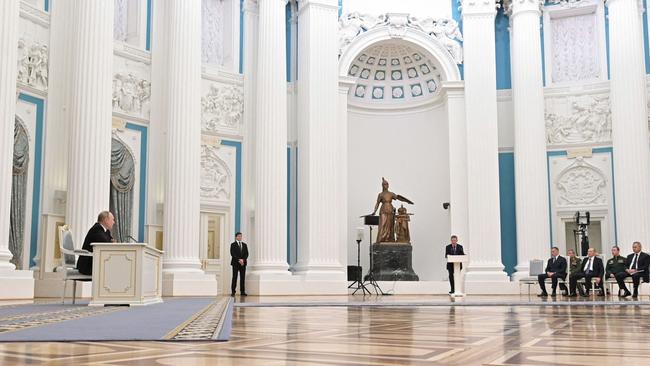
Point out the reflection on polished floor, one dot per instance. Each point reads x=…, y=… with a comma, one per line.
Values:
x=384, y=335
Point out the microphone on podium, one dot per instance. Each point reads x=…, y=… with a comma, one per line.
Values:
x=132, y=238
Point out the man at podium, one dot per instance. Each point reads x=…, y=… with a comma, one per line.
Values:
x=99, y=233
x=453, y=249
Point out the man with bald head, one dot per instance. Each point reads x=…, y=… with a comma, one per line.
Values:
x=591, y=268
x=99, y=233
x=637, y=268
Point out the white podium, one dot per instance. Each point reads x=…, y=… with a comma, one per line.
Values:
x=459, y=278
x=126, y=274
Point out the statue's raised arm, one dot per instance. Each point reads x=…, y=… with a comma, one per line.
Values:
x=404, y=199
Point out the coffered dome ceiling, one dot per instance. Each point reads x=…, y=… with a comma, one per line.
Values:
x=393, y=73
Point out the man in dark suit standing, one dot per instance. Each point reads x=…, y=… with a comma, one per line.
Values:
x=555, y=269
x=591, y=268
x=453, y=249
x=637, y=268
x=239, y=254
x=99, y=233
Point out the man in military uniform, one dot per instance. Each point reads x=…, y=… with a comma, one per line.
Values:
x=574, y=267
x=615, y=265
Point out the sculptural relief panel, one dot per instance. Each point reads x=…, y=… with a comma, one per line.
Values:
x=33, y=63
x=222, y=109
x=131, y=94
x=578, y=119
x=575, y=48
x=217, y=165
x=581, y=182
x=212, y=31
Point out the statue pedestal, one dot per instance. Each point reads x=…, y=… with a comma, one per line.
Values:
x=393, y=262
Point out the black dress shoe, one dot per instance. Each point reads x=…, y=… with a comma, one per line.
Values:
x=635, y=295
x=573, y=295
x=553, y=294
x=244, y=294
x=543, y=294
x=626, y=294
x=451, y=292
x=233, y=294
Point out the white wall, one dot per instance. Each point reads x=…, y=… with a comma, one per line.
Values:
x=420, y=8
x=411, y=152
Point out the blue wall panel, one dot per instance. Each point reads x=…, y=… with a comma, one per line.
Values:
x=508, y=214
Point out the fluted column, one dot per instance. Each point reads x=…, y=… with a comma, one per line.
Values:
x=455, y=94
x=319, y=226
x=182, y=98
x=629, y=121
x=8, y=43
x=269, y=250
x=345, y=83
x=90, y=115
x=251, y=18
x=531, y=179
x=484, y=235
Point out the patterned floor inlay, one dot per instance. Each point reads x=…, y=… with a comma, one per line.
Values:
x=23, y=321
x=507, y=335
x=204, y=326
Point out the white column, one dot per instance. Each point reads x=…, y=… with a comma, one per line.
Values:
x=269, y=250
x=90, y=115
x=251, y=18
x=8, y=58
x=531, y=178
x=484, y=235
x=455, y=94
x=629, y=122
x=182, y=274
x=13, y=284
x=319, y=225
x=345, y=83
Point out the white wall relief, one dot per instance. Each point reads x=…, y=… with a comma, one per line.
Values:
x=33, y=64
x=215, y=175
x=212, y=25
x=222, y=109
x=590, y=120
x=131, y=94
x=581, y=184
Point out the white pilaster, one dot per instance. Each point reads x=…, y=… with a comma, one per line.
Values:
x=484, y=235
x=455, y=94
x=182, y=274
x=269, y=262
x=251, y=19
x=319, y=225
x=90, y=115
x=629, y=122
x=531, y=179
x=345, y=83
x=13, y=284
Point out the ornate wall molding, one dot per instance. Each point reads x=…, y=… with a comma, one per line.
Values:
x=34, y=15
x=222, y=109
x=215, y=176
x=444, y=31
x=33, y=63
x=590, y=121
x=131, y=94
x=212, y=31
x=581, y=184
x=131, y=52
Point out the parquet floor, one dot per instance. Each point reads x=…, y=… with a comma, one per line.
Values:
x=422, y=335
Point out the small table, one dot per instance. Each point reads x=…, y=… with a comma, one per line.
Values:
x=459, y=280
x=126, y=274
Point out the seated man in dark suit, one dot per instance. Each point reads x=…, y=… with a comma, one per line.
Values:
x=591, y=268
x=555, y=269
x=99, y=233
x=637, y=268
x=453, y=249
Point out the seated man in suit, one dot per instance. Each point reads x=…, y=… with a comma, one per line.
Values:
x=555, y=268
x=637, y=268
x=453, y=249
x=98, y=233
x=239, y=254
x=591, y=268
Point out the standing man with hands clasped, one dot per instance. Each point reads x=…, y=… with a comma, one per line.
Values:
x=453, y=249
x=239, y=254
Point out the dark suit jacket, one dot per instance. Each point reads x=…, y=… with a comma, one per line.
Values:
x=238, y=254
x=643, y=262
x=598, y=268
x=449, y=251
x=559, y=267
x=96, y=234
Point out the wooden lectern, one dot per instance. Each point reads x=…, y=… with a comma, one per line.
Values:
x=126, y=274
x=459, y=282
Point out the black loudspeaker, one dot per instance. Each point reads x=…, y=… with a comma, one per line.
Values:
x=354, y=273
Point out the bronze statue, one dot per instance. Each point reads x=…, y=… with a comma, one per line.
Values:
x=402, y=225
x=386, y=232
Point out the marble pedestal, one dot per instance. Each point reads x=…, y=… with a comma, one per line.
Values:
x=393, y=262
